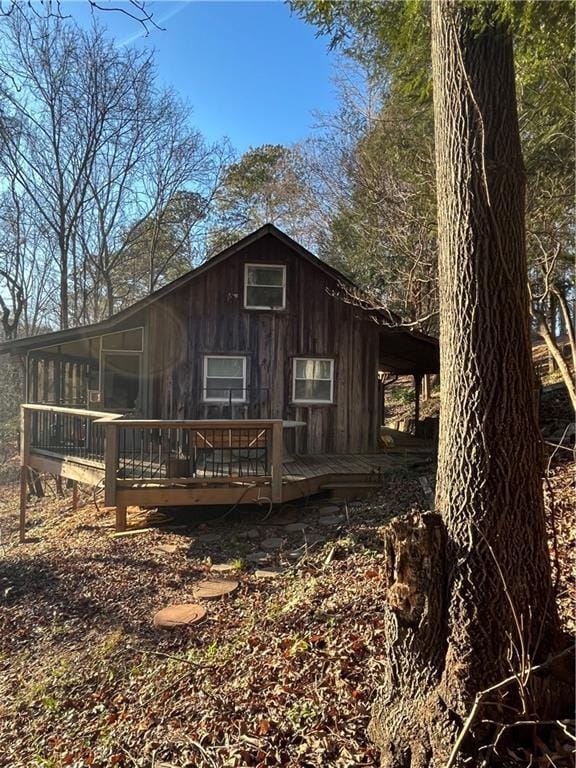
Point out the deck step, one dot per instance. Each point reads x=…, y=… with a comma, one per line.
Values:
x=351, y=484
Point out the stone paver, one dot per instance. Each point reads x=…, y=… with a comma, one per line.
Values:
x=222, y=568
x=251, y=533
x=269, y=573
x=295, y=527
x=212, y=589
x=272, y=543
x=258, y=558
x=284, y=518
x=181, y=615
x=329, y=510
x=329, y=520
x=168, y=549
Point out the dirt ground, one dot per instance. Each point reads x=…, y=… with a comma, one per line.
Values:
x=281, y=672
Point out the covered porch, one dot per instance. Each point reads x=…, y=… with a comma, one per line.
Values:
x=403, y=354
x=105, y=371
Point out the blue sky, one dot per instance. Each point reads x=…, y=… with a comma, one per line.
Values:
x=251, y=70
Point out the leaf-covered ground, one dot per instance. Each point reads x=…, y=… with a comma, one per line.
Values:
x=282, y=672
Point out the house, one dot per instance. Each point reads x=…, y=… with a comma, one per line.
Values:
x=216, y=379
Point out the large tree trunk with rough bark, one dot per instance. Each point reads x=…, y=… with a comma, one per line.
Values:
x=470, y=594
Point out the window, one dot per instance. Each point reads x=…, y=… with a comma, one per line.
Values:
x=265, y=286
x=130, y=340
x=224, y=378
x=313, y=380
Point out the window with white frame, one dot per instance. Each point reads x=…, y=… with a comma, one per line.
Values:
x=313, y=380
x=265, y=286
x=224, y=378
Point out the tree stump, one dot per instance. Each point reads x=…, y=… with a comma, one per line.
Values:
x=182, y=615
x=416, y=641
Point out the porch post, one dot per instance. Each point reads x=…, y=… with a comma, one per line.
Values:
x=277, y=457
x=426, y=387
x=23, y=500
x=32, y=390
x=417, y=388
x=24, y=462
x=120, y=519
x=57, y=382
x=110, y=464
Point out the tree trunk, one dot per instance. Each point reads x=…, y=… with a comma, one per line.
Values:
x=63, y=265
x=555, y=353
x=567, y=324
x=471, y=598
x=109, y=295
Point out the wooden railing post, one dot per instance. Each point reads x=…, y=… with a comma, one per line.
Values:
x=277, y=458
x=110, y=464
x=25, y=422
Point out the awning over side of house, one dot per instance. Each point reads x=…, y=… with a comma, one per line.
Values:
x=408, y=352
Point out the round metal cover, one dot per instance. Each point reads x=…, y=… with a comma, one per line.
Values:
x=213, y=588
x=181, y=615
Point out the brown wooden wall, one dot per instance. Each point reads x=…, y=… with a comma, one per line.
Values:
x=206, y=316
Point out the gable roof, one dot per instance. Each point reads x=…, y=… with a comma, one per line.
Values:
x=110, y=324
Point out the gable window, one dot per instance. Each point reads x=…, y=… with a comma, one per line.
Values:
x=265, y=286
x=224, y=379
x=313, y=380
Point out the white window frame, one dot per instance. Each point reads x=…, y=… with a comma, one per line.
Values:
x=207, y=399
x=294, y=379
x=265, y=265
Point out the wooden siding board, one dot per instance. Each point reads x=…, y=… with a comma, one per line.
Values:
x=206, y=316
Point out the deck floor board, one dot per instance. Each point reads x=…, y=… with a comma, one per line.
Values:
x=302, y=476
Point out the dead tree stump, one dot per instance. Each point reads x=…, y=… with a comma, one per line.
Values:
x=416, y=640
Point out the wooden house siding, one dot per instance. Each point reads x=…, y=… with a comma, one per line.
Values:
x=207, y=316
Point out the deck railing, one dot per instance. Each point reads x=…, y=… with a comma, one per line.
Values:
x=68, y=433
x=199, y=452
x=156, y=453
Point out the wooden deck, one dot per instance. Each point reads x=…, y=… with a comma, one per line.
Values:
x=302, y=476
x=158, y=463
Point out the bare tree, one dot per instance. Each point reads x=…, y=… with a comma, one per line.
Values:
x=370, y=175
x=104, y=159
x=155, y=158
x=139, y=10
x=551, y=284
x=55, y=119
x=181, y=174
x=26, y=287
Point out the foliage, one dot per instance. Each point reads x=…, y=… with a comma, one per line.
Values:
x=403, y=395
x=162, y=246
x=11, y=387
x=263, y=186
x=384, y=231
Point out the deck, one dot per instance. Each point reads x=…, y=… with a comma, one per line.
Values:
x=152, y=463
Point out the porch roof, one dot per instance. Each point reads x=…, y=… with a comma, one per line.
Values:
x=408, y=352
